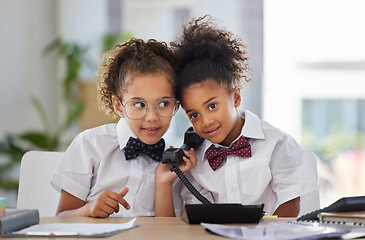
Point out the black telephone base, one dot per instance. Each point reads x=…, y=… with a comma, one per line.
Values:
x=222, y=213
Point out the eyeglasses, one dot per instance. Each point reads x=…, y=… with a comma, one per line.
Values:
x=165, y=107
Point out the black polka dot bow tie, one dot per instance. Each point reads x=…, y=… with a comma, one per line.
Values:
x=215, y=156
x=136, y=147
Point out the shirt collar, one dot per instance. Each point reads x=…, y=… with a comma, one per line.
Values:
x=123, y=133
x=251, y=129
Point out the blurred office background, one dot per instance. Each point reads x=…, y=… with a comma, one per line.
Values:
x=308, y=58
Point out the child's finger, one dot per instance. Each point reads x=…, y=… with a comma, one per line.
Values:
x=104, y=205
x=124, y=203
x=110, y=207
x=120, y=198
x=187, y=161
x=192, y=156
x=191, y=151
x=115, y=198
x=124, y=191
x=111, y=203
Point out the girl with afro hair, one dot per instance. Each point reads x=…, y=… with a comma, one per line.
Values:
x=243, y=159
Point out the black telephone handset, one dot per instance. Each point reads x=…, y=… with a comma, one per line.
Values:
x=207, y=212
x=191, y=140
x=346, y=204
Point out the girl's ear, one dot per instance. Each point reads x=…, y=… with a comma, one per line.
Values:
x=117, y=105
x=237, y=97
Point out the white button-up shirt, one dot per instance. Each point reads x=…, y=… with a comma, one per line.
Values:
x=277, y=171
x=95, y=162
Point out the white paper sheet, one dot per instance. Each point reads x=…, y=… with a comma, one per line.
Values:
x=284, y=231
x=76, y=229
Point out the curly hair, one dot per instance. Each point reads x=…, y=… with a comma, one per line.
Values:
x=128, y=59
x=205, y=51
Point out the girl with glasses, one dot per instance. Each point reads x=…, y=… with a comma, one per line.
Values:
x=111, y=169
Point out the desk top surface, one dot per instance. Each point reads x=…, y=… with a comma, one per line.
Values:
x=149, y=228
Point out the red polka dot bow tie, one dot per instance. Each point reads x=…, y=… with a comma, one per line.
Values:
x=136, y=147
x=215, y=156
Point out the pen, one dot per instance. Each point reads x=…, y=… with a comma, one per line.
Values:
x=273, y=216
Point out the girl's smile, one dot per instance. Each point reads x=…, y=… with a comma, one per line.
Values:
x=151, y=130
x=212, y=132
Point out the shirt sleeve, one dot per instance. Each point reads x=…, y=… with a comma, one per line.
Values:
x=76, y=170
x=293, y=175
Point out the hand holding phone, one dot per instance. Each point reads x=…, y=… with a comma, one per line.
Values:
x=184, y=160
x=175, y=155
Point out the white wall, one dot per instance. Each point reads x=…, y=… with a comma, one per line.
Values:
x=26, y=27
x=84, y=22
x=157, y=19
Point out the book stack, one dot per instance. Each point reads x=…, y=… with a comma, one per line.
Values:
x=357, y=217
x=2, y=206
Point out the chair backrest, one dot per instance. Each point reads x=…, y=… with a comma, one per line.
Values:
x=35, y=190
x=312, y=202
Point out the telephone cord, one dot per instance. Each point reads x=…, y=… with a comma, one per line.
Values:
x=189, y=186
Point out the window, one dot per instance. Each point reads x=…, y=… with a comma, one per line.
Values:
x=314, y=86
x=335, y=130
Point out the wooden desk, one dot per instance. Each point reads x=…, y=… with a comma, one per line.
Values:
x=149, y=228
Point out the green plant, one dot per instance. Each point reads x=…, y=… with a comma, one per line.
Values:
x=111, y=39
x=74, y=56
x=14, y=146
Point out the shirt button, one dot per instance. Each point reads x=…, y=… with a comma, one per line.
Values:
x=233, y=188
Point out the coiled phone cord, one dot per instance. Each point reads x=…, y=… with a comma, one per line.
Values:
x=189, y=186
